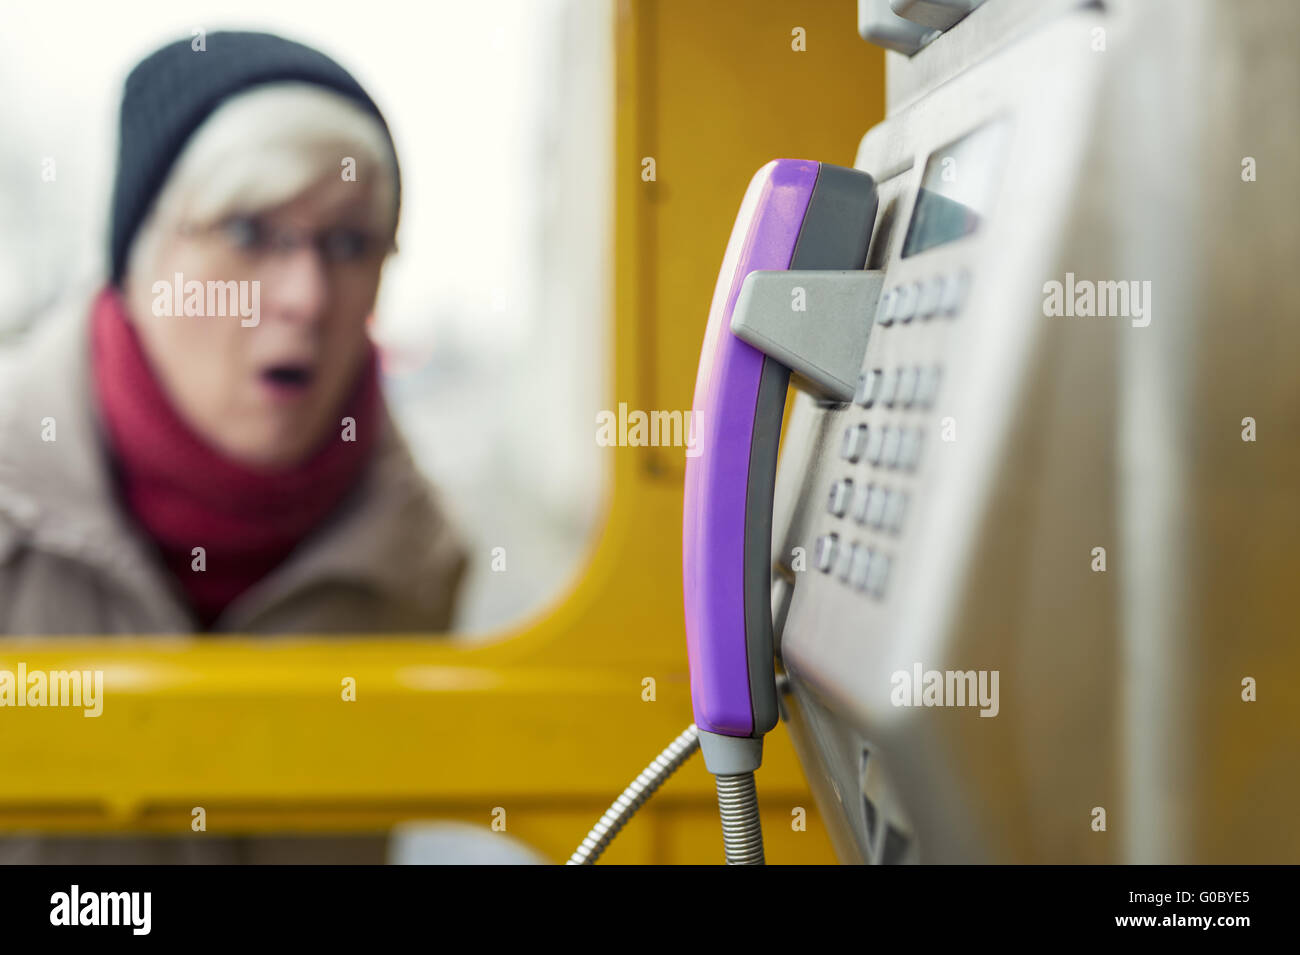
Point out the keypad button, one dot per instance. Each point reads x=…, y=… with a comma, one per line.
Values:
x=844, y=562
x=876, y=507
x=909, y=452
x=868, y=385
x=824, y=552
x=878, y=574
x=931, y=295
x=862, y=501
x=905, y=304
x=893, y=443
x=927, y=387
x=954, y=294
x=907, y=386
x=895, y=510
x=854, y=443
x=860, y=567
x=875, y=444
x=888, y=302
x=889, y=387
x=841, y=494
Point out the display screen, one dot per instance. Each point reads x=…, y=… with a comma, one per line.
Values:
x=957, y=190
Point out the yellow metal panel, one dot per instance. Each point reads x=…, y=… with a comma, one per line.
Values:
x=724, y=91
x=548, y=720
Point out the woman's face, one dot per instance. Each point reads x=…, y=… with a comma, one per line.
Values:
x=264, y=383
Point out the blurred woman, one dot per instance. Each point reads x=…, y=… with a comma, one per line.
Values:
x=204, y=446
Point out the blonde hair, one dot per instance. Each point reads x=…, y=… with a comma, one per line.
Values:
x=261, y=149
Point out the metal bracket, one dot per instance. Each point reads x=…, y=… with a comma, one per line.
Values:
x=815, y=323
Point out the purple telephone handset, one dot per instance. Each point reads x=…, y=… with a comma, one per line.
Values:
x=796, y=214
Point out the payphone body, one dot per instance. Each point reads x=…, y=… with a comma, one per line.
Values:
x=1060, y=494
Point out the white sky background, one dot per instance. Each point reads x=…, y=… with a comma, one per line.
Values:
x=454, y=81
x=497, y=303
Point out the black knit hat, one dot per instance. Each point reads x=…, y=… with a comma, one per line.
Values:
x=169, y=95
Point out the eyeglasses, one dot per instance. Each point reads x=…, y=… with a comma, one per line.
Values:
x=254, y=238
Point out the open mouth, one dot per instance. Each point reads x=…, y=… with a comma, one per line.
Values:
x=288, y=378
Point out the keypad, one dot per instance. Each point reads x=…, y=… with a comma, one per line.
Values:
x=889, y=453
x=895, y=508
x=885, y=314
x=841, y=494
x=888, y=387
x=931, y=295
x=940, y=294
x=905, y=303
x=927, y=386
x=824, y=552
x=884, y=437
x=861, y=501
x=853, y=443
x=875, y=444
x=868, y=387
x=860, y=567
x=844, y=562
x=875, y=510
x=907, y=386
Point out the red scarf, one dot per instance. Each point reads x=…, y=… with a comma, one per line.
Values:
x=185, y=494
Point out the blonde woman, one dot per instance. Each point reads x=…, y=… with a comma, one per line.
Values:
x=204, y=447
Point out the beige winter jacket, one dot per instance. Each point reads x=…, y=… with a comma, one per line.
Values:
x=73, y=562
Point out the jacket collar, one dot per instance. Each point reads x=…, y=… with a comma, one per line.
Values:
x=58, y=497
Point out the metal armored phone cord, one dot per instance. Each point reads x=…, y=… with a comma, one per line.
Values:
x=742, y=831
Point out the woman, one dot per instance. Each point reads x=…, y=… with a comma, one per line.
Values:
x=204, y=447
